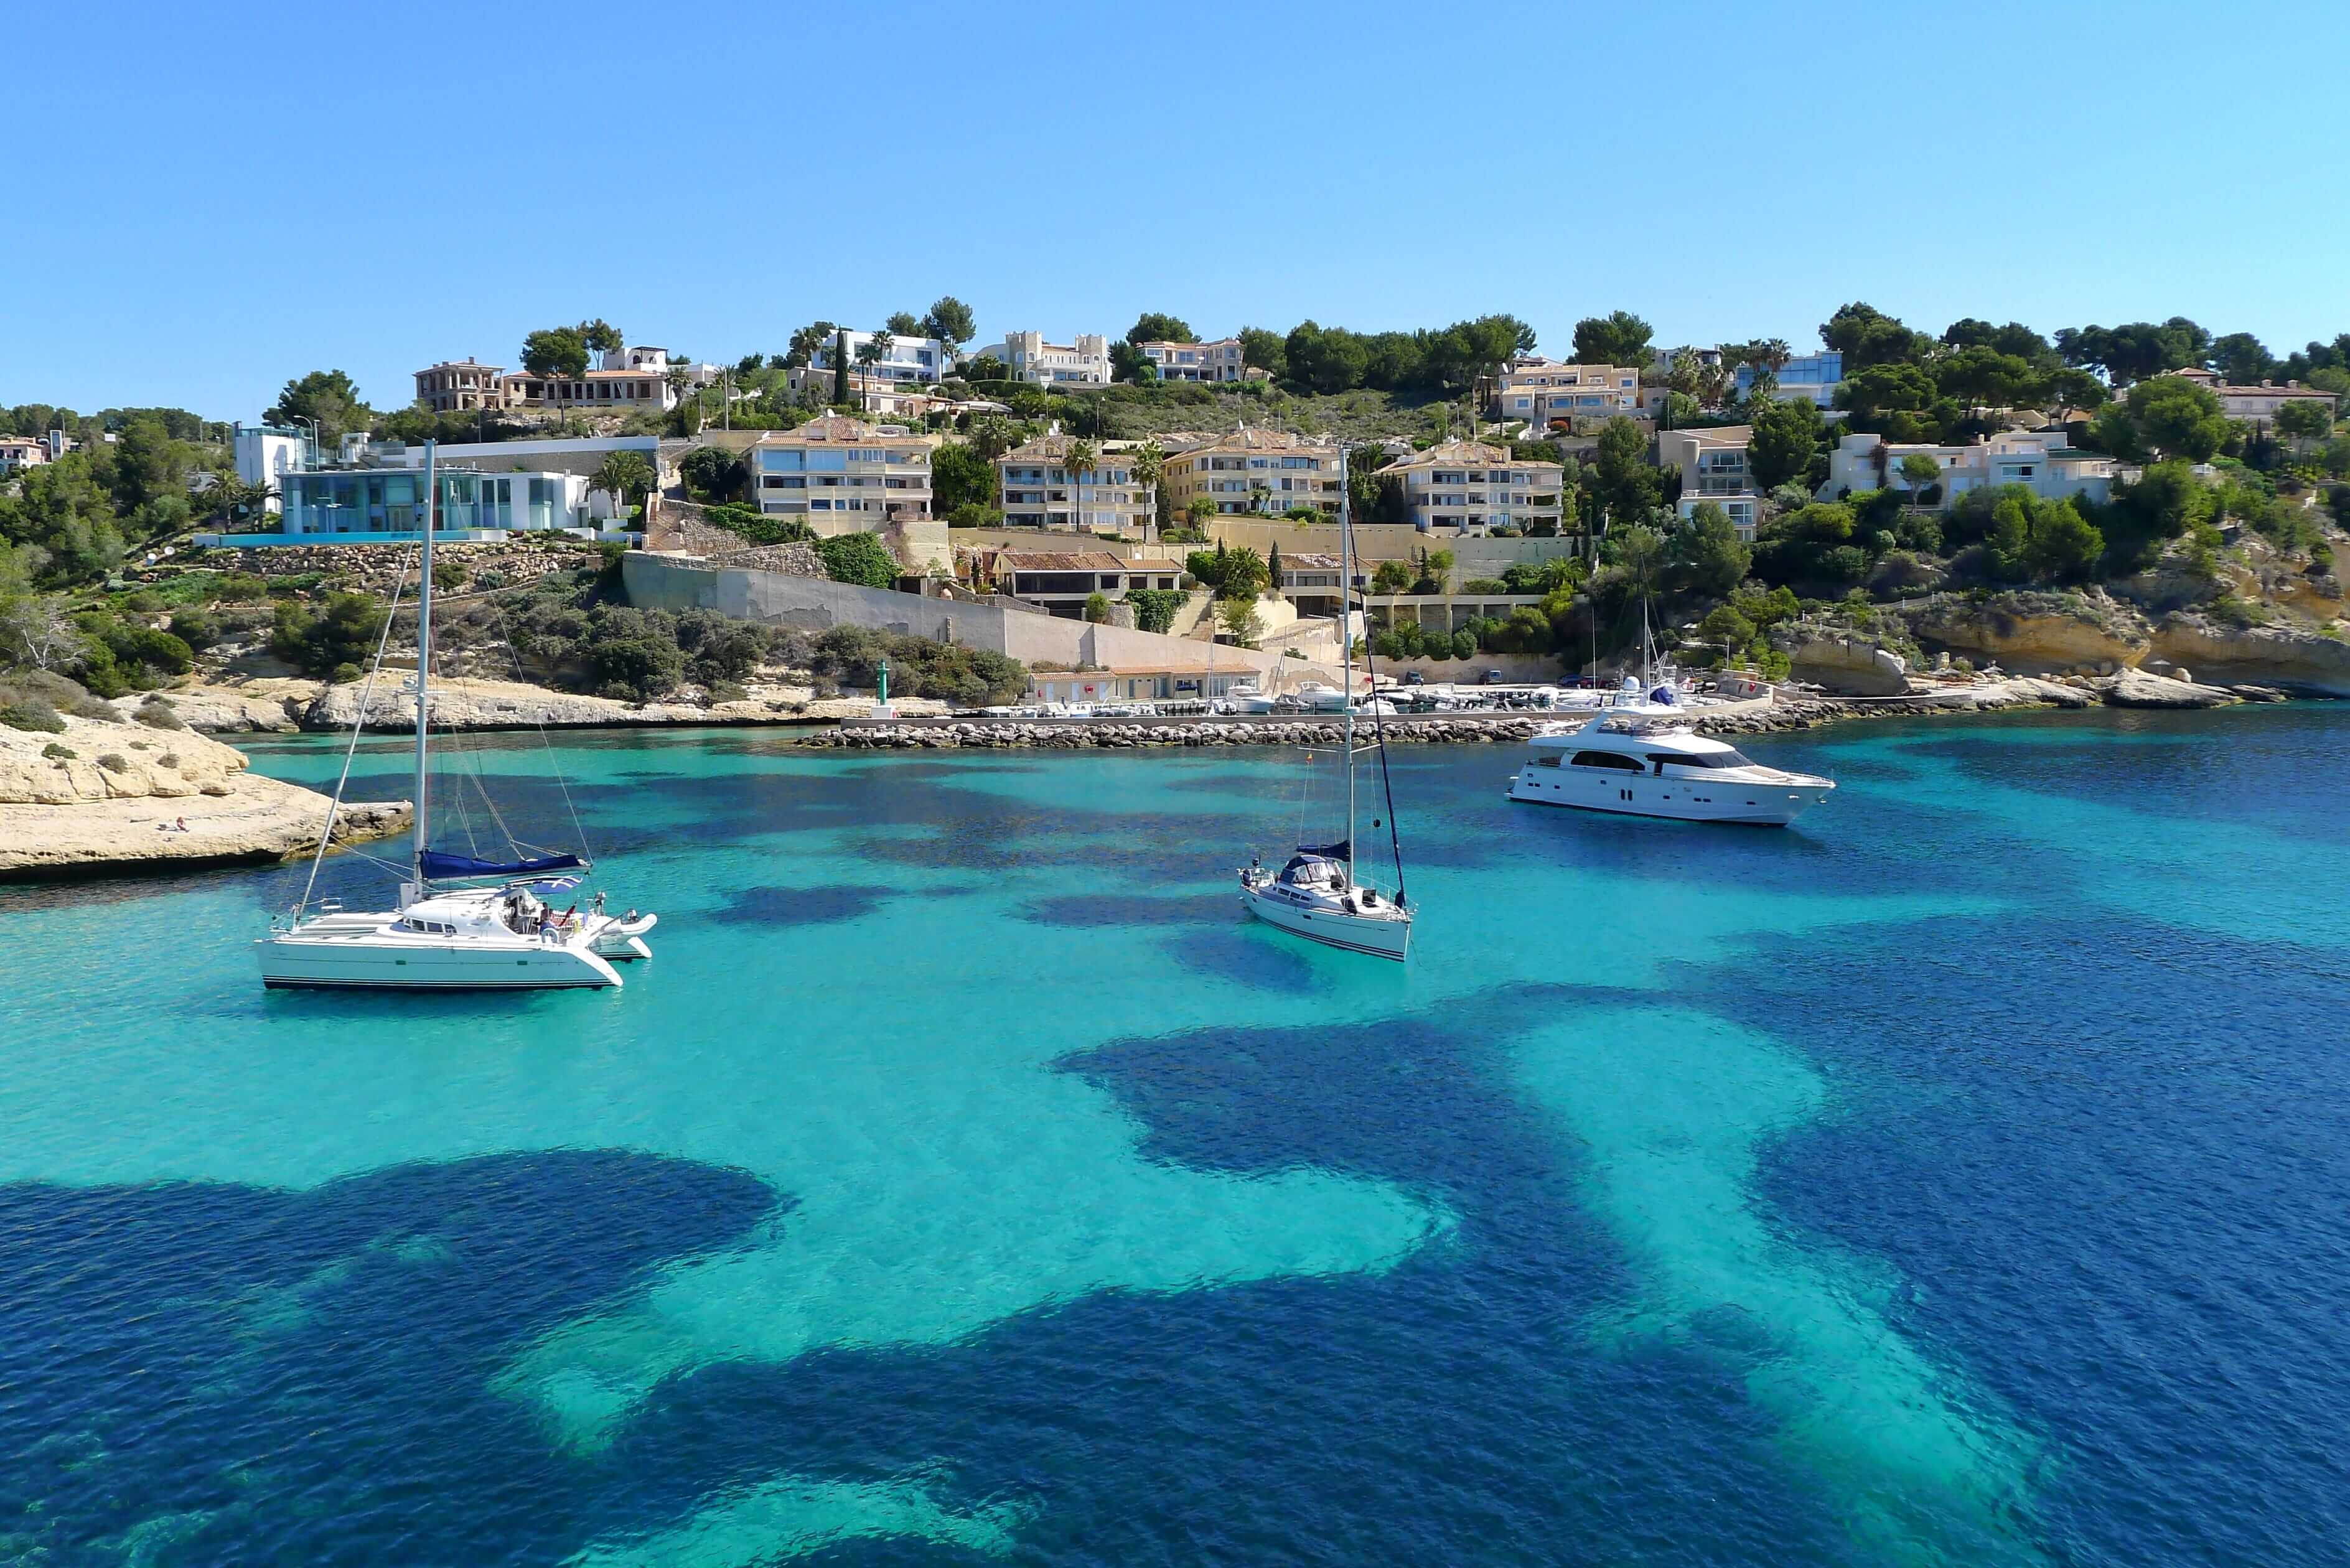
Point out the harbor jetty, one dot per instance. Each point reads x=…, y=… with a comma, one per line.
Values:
x=1757, y=717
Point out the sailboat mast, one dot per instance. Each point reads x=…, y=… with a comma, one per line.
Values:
x=1346, y=641
x=424, y=658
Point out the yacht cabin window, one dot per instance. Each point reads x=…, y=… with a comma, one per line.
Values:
x=1608, y=760
x=1699, y=759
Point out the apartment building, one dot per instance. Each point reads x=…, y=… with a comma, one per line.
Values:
x=1062, y=583
x=2043, y=461
x=1036, y=487
x=1254, y=469
x=843, y=475
x=1028, y=357
x=1712, y=466
x=1549, y=394
x=1217, y=361
x=1813, y=376
x=2261, y=402
x=1474, y=486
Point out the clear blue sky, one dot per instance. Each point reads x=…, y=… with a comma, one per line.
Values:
x=211, y=199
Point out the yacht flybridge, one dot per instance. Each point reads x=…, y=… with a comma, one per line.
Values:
x=1315, y=895
x=1637, y=757
x=465, y=921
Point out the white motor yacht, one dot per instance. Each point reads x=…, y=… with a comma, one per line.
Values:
x=462, y=922
x=1638, y=758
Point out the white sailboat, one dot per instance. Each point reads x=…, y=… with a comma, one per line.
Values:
x=462, y=922
x=1315, y=895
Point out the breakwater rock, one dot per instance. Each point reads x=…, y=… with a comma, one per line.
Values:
x=1752, y=719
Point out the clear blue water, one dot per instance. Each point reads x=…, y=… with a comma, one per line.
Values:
x=1958, y=1178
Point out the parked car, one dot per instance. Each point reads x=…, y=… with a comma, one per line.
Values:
x=1414, y=677
x=1493, y=678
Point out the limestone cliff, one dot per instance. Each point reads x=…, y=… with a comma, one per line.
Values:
x=2281, y=656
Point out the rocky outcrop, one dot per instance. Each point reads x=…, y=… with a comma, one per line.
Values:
x=2287, y=656
x=1848, y=667
x=102, y=796
x=2034, y=633
x=255, y=706
x=2143, y=689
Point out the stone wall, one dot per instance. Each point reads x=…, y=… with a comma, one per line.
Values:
x=776, y=598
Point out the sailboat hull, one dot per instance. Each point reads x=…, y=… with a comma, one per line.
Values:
x=1381, y=936
x=294, y=960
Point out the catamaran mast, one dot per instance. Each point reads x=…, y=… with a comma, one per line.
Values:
x=423, y=658
x=1347, y=643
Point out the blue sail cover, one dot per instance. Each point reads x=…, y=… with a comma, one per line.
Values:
x=438, y=867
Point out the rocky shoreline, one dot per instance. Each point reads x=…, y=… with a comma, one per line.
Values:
x=1784, y=715
x=98, y=797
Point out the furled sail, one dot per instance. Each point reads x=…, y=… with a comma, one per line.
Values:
x=439, y=866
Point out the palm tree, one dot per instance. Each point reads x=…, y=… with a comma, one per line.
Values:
x=1081, y=461
x=869, y=354
x=1149, y=469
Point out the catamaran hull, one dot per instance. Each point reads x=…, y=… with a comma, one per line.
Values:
x=1386, y=938
x=1672, y=800
x=295, y=963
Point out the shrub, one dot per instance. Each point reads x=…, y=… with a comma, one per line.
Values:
x=1484, y=586
x=1097, y=608
x=169, y=760
x=343, y=635
x=114, y=762
x=1154, y=608
x=59, y=753
x=195, y=628
x=31, y=714
x=157, y=713
x=860, y=558
x=635, y=668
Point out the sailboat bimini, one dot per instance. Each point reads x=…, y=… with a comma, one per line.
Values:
x=1315, y=895
x=463, y=922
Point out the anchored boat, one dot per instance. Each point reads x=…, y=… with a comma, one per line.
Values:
x=463, y=921
x=1316, y=895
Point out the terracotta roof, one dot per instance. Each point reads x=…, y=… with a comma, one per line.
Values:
x=1047, y=561
x=1469, y=452
x=1255, y=438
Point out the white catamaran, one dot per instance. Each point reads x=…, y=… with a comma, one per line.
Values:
x=1315, y=895
x=463, y=922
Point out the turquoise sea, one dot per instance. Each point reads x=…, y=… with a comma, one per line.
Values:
x=1961, y=1177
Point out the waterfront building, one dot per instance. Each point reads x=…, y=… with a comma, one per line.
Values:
x=1036, y=488
x=1026, y=357
x=1550, y=394
x=1254, y=469
x=1218, y=361
x=2043, y=461
x=2261, y=402
x=1310, y=580
x=1813, y=376
x=1474, y=486
x=843, y=475
x=1061, y=581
